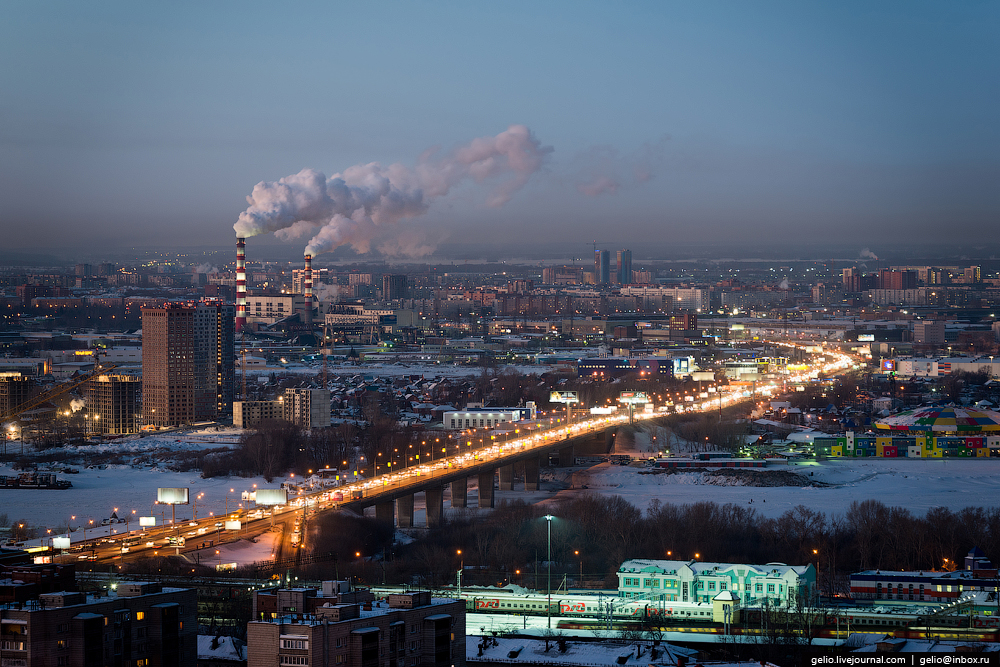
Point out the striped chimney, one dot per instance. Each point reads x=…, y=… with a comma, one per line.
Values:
x=241, y=284
x=307, y=288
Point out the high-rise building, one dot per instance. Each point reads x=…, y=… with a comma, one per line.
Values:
x=602, y=267
x=624, y=273
x=393, y=287
x=188, y=363
x=14, y=390
x=114, y=405
x=307, y=408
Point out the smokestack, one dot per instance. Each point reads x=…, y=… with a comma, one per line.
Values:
x=241, y=284
x=307, y=288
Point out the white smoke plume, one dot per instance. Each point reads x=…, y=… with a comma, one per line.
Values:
x=354, y=207
x=205, y=268
x=603, y=170
x=868, y=254
x=77, y=404
x=783, y=284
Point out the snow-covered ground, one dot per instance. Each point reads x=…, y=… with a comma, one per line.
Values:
x=915, y=484
x=242, y=552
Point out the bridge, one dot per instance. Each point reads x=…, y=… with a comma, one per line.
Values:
x=392, y=494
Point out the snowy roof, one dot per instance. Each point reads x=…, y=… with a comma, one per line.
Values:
x=702, y=568
x=228, y=648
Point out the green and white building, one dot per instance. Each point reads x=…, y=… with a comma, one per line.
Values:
x=775, y=584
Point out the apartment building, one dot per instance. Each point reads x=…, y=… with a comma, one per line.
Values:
x=313, y=627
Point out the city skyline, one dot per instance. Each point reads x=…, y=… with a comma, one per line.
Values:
x=678, y=124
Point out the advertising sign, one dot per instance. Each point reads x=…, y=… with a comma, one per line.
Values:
x=564, y=397
x=633, y=397
x=272, y=496
x=60, y=543
x=889, y=365
x=172, y=496
x=866, y=338
x=147, y=521
x=233, y=525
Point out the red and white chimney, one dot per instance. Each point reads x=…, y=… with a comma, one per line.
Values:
x=241, y=284
x=307, y=289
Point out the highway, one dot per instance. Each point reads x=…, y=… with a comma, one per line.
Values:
x=526, y=441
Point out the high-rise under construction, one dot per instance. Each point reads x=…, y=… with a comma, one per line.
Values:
x=188, y=363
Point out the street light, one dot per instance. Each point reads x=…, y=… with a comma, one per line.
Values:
x=548, y=608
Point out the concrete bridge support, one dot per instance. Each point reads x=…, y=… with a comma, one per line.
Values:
x=460, y=492
x=486, y=488
x=384, y=512
x=506, y=477
x=404, y=512
x=435, y=506
x=531, y=474
x=566, y=457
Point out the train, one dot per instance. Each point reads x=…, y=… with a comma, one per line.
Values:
x=598, y=612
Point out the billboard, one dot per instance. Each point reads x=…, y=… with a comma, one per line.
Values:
x=889, y=365
x=633, y=397
x=866, y=338
x=272, y=496
x=147, y=521
x=172, y=496
x=564, y=397
x=703, y=376
x=233, y=525
x=60, y=543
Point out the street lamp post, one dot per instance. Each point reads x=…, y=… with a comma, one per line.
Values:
x=548, y=608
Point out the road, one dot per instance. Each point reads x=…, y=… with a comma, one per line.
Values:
x=521, y=443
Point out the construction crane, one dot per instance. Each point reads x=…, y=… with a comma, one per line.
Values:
x=58, y=390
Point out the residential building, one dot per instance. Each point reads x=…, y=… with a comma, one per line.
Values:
x=14, y=390
x=407, y=630
x=928, y=332
x=266, y=308
x=695, y=581
x=250, y=414
x=602, y=267
x=188, y=362
x=139, y=623
x=307, y=408
x=114, y=404
x=623, y=275
x=394, y=287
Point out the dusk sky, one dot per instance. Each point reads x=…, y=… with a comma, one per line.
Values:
x=149, y=124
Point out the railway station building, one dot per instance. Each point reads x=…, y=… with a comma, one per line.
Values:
x=775, y=584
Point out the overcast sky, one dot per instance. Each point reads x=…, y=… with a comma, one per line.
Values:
x=140, y=123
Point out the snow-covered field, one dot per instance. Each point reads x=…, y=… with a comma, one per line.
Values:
x=917, y=485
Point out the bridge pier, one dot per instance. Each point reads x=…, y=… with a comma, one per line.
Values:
x=460, y=493
x=435, y=506
x=531, y=474
x=404, y=511
x=566, y=457
x=506, y=477
x=486, y=489
x=383, y=512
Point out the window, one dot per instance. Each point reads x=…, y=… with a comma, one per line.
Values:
x=770, y=588
x=293, y=660
x=711, y=585
x=722, y=585
x=140, y=615
x=295, y=644
x=759, y=588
